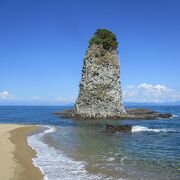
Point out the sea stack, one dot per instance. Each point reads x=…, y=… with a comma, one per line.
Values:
x=100, y=94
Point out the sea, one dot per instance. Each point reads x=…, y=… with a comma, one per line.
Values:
x=81, y=149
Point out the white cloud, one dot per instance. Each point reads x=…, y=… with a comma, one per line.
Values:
x=36, y=98
x=5, y=95
x=64, y=100
x=150, y=93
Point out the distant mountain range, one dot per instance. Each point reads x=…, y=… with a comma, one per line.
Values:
x=177, y=103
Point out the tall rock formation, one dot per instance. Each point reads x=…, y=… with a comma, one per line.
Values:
x=100, y=94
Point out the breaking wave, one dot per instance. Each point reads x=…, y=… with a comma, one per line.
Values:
x=142, y=128
x=175, y=116
x=54, y=164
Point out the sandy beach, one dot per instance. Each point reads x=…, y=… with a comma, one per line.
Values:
x=15, y=153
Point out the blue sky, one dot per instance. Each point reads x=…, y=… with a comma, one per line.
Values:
x=42, y=44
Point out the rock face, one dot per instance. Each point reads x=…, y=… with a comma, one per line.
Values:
x=100, y=94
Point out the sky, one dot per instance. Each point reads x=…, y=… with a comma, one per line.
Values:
x=43, y=42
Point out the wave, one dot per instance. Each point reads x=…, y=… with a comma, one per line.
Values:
x=174, y=116
x=142, y=128
x=54, y=164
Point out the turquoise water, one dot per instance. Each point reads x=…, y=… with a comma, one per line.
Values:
x=69, y=149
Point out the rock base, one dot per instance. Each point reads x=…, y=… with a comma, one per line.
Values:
x=137, y=113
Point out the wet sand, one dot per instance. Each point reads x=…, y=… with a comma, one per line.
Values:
x=15, y=153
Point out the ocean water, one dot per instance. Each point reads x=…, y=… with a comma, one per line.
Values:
x=69, y=149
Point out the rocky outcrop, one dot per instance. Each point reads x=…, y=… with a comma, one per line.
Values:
x=137, y=114
x=100, y=94
x=140, y=113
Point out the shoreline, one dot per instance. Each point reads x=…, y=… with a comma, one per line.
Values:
x=16, y=154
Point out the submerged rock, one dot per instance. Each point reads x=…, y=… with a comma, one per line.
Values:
x=119, y=128
x=100, y=94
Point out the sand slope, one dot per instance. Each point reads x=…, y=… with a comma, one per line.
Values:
x=15, y=154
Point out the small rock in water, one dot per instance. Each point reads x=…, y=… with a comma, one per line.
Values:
x=119, y=128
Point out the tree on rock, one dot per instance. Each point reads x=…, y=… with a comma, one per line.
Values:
x=105, y=38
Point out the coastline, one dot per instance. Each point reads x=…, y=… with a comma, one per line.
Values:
x=16, y=154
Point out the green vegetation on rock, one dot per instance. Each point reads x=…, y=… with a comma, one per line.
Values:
x=105, y=38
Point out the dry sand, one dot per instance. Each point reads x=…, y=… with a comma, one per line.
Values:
x=15, y=154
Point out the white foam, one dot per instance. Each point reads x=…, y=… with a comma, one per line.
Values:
x=175, y=116
x=54, y=164
x=142, y=128
x=49, y=130
x=111, y=159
